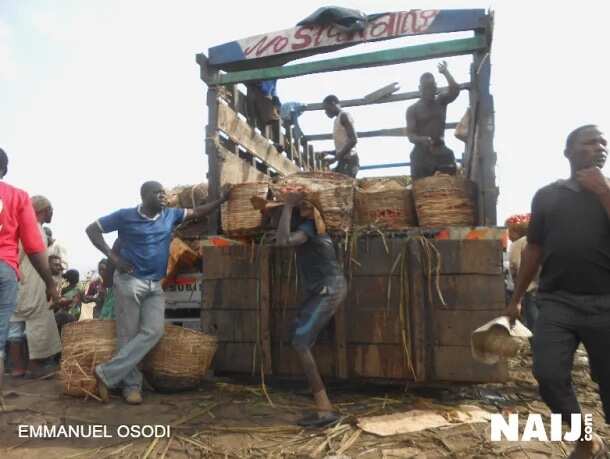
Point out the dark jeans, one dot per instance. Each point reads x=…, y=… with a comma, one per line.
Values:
x=349, y=166
x=564, y=321
x=315, y=313
x=425, y=162
x=530, y=310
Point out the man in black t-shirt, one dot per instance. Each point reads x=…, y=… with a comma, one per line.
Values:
x=325, y=289
x=569, y=236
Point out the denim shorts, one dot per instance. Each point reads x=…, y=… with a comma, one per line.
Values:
x=16, y=331
x=315, y=313
x=8, y=301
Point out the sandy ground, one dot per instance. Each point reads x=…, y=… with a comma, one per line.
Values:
x=233, y=419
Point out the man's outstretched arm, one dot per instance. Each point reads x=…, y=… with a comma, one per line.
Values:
x=204, y=210
x=454, y=88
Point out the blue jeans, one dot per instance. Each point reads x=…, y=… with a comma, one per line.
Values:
x=140, y=322
x=8, y=301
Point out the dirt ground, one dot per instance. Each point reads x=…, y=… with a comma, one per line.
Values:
x=227, y=418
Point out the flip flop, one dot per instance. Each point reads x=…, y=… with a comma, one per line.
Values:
x=314, y=420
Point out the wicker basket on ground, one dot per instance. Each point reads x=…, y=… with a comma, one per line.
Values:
x=444, y=200
x=385, y=203
x=85, y=345
x=180, y=360
x=331, y=193
x=239, y=217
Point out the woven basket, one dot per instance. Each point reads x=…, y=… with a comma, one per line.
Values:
x=85, y=345
x=189, y=196
x=331, y=193
x=239, y=217
x=180, y=360
x=385, y=203
x=444, y=200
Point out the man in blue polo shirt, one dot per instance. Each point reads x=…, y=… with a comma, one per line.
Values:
x=144, y=235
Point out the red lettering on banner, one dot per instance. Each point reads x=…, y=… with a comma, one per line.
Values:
x=380, y=29
x=280, y=43
x=319, y=35
x=260, y=43
x=427, y=17
x=303, y=35
x=338, y=36
x=391, y=22
x=409, y=22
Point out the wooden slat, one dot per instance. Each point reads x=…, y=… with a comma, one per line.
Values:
x=212, y=153
x=234, y=357
x=265, y=309
x=453, y=328
x=372, y=257
x=373, y=326
x=286, y=362
x=377, y=361
x=455, y=363
x=419, y=314
x=233, y=326
x=387, y=57
x=233, y=169
x=391, y=98
x=371, y=293
x=470, y=257
x=471, y=292
x=239, y=131
x=341, y=339
x=234, y=262
x=394, y=132
x=228, y=294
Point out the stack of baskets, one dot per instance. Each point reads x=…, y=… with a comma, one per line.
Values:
x=444, y=200
x=180, y=360
x=385, y=203
x=331, y=193
x=239, y=217
x=85, y=345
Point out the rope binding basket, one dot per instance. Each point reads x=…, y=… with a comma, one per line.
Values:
x=444, y=200
x=330, y=192
x=180, y=359
x=384, y=202
x=86, y=344
x=239, y=217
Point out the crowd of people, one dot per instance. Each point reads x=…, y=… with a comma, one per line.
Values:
x=34, y=328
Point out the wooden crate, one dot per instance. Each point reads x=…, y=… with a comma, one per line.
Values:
x=251, y=298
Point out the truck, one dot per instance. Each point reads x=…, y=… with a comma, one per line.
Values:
x=416, y=295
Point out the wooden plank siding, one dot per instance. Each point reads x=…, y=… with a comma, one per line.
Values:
x=242, y=133
x=250, y=300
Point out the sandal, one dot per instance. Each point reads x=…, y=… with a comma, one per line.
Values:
x=314, y=420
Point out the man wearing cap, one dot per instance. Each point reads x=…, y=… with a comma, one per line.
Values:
x=33, y=319
x=18, y=225
x=144, y=234
x=569, y=236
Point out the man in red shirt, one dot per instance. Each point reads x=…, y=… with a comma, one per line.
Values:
x=17, y=224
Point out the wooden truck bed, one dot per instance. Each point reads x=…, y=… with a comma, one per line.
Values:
x=250, y=300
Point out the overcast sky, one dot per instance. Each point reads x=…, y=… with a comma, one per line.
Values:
x=98, y=96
